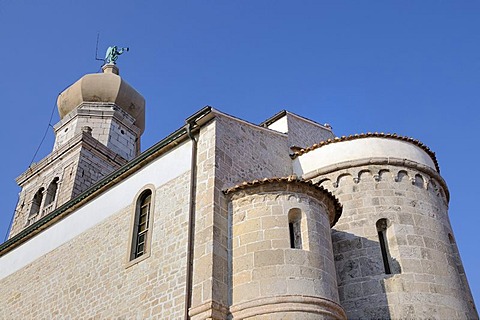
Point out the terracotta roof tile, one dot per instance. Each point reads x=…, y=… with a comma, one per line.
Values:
x=288, y=179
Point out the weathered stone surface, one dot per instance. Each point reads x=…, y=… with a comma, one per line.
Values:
x=76, y=166
x=245, y=265
x=417, y=239
x=279, y=270
x=88, y=277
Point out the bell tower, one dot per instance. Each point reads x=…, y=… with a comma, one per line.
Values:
x=101, y=121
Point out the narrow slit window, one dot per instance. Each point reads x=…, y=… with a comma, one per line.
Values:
x=382, y=238
x=295, y=228
x=141, y=228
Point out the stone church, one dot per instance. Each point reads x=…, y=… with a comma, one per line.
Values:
x=225, y=219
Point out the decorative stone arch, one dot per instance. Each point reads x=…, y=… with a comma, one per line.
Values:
x=432, y=185
x=341, y=177
x=364, y=174
x=385, y=174
x=402, y=175
x=419, y=181
x=436, y=188
x=326, y=183
x=443, y=195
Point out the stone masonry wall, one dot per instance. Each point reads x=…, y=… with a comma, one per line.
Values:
x=88, y=278
x=22, y=216
x=304, y=133
x=110, y=125
x=246, y=152
x=229, y=151
x=92, y=166
x=209, y=275
x=270, y=279
x=123, y=141
x=77, y=165
x=426, y=281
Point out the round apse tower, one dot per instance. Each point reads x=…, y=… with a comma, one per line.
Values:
x=281, y=251
x=395, y=252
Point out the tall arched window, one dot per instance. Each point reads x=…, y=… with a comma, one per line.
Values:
x=36, y=203
x=141, y=230
x=382, y=238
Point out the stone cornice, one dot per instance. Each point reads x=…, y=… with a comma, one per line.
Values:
x=403, y=163
x=81, y=139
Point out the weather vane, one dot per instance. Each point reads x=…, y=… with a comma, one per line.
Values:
x=112, y=54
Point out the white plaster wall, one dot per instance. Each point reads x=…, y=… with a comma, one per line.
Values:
x=160, y=171
x=358, y=149
x=281, y=125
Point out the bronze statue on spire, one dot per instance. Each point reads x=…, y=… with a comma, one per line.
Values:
x=112, y=54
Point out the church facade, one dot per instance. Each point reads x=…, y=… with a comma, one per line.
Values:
x=225, y=219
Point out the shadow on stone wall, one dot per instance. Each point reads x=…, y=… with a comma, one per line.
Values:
x=360, y=276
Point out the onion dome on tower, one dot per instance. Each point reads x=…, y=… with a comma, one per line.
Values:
x=107, y=104
x=101, y=121
x=106, y=87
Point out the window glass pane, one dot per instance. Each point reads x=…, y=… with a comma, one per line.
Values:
x=140, y=249
x=146, y=200
x=141, y=224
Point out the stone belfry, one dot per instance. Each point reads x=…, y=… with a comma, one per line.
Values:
x=101, y=120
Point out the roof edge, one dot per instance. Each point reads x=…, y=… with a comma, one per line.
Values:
x=273, y=118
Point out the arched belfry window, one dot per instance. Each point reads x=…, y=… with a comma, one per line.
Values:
x=295, y=228
x=382, y=225
x=142, y=226
x=36, y=203
x=50, y=196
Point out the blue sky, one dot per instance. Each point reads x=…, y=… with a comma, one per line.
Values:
x=409, y=67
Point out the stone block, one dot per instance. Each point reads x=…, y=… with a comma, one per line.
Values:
x=269, y=257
